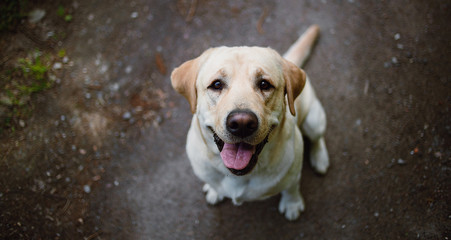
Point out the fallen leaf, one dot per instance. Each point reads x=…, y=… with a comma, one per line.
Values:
x=160, y=64
x=261, y=20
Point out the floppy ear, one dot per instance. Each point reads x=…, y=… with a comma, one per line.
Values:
x=294, y=82
x=184, y=78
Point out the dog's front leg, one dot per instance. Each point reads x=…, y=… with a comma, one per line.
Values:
x=212, y=196
x=291, y=202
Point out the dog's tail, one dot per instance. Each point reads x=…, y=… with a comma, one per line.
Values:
x=300, y=50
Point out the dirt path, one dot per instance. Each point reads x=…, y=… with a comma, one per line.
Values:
x=102, y=154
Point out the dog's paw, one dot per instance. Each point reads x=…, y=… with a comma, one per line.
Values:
x=291, y=206
x=320, y=164
x=319, y=157
x=212, y=196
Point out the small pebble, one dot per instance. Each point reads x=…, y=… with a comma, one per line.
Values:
x=438, y=154
x=103, y=68
x=57, y=65
x=159, y=119
x=87, y=188
x=116, y=183
x=22, y=123
x=358, y=122
x=134, y=15
x=397, y=36
x=128, y=69
x=401, y=162
x=394, y=60
x=127, y=115
x=36, y=15
x=376, y=214
x=114, y=87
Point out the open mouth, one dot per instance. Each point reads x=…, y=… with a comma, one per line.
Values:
x=239, y=158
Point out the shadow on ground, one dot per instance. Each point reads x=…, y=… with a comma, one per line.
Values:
x=101, y=155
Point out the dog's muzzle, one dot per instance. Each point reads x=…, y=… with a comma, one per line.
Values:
x=240, y=158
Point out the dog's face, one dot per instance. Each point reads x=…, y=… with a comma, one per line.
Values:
x=239, y=95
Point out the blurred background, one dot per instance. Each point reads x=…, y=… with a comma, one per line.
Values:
x=92, y=141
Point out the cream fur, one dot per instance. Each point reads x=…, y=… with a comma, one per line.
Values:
x=279, y=165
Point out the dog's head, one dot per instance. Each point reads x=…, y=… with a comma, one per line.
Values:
x=239, y=95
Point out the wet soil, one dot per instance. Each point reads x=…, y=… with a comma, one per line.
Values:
x=102, y=155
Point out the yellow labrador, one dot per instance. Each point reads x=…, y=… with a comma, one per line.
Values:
x=245, y=140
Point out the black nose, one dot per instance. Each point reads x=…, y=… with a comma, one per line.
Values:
x=242, y=123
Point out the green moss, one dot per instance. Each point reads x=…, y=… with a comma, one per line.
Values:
x=19, y=84
x=62, y=53
x=62, y=13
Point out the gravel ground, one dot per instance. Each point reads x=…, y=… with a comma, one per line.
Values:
x=101, y=155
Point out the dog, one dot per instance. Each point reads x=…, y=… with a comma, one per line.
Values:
x=251, y=108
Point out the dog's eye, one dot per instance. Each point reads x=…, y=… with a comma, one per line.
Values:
x=264, y=85
x=216, y=85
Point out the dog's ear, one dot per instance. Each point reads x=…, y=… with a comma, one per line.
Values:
x=184, y=77
x=294, y=82
x=183, y=80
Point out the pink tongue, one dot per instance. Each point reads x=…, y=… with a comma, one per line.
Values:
x=237, y=156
